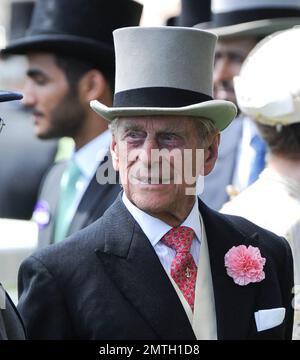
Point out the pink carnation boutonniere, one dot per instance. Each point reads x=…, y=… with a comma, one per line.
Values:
x=245, y=264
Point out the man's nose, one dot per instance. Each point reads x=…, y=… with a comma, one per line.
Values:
x=29, y=99
x=222, y=70
x=147, y=149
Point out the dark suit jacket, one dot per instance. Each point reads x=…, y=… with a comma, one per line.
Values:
x=106, y=282
x=11, y=326
x=24, y=161
x=96, y=199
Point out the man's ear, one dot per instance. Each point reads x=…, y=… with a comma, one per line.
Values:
x=92, y=85
x=211, y=153
x=114, y=153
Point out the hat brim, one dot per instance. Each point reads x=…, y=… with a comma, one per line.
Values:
x=9, y=96
x=65, y=44
x=221, y=112
x=253, y=28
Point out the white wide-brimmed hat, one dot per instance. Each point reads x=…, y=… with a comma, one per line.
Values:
x=268, y=87
x=241, y=18
x=165, y=71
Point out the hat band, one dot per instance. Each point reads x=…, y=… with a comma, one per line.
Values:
x=158, y=97
x=243, y=16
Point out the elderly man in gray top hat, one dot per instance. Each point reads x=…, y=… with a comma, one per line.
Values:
x=240, y=25
x=11, y=326
x=160, y=264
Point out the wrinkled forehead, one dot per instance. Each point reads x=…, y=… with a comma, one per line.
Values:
x=157, y=123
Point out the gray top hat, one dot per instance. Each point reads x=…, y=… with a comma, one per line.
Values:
x=236, y=18
x=9, y=96
x=165, y=71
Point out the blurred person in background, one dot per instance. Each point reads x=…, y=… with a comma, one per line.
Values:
x=268, y=91
x=11, y=325
x=240, y=25
x=71, y=62
x=26, y=157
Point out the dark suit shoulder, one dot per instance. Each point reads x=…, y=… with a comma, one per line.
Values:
x=271, y=245
x=238, y=227
x=78, y=244
x=248, y=228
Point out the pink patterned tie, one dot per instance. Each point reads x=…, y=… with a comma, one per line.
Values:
x=183, y=267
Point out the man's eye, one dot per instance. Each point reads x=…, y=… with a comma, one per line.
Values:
x=168, y=137
x=218, y=56
x=39, y=80
x=135, y=134
x=230, y=56
x=170, y=140
x=237, y=58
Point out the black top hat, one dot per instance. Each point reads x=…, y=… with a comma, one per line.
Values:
x=79, y=28
x=9, y=96
x=192, y=12
x=236, y=18
x=21, y=13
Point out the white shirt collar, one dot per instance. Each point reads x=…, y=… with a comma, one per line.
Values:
x=154, y=228
x=91, y=154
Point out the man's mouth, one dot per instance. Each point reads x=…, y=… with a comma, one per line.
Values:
x=37, y=113
x=152, y=180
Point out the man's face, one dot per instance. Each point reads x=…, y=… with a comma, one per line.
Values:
x=149, y=181
x=56, y=110
x=230, y=55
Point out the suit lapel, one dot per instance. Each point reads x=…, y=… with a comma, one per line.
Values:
x=89, y=201
x=95, y=198
x=11, y=325
x=133, y=265
x=3, y=335
x=234, y=304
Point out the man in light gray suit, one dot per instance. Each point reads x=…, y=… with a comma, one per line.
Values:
x=11, y=326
